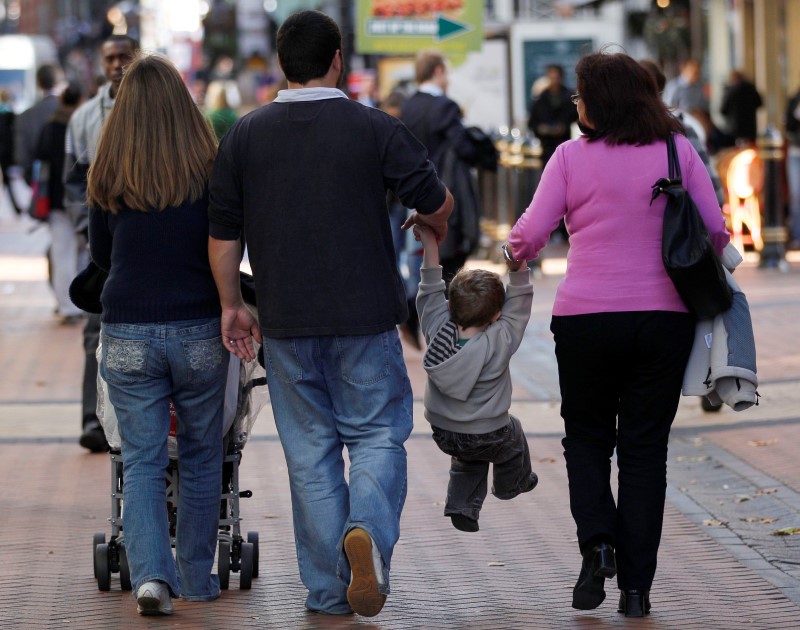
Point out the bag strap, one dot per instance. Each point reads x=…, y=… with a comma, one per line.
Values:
x=674, y=181
x=674, y=163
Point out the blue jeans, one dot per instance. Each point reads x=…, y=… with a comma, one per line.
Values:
x=329, y=393
x=146, y=365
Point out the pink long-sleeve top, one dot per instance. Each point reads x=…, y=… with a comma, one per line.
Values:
x=603, y=194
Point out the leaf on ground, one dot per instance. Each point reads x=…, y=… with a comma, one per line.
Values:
x=786, y=531
x=497, y=564
x=764, y=520
x=762, y=442
x=699, y=458
x=741, y=498
x=765, y=491
x=548, y=460
x=710, y=522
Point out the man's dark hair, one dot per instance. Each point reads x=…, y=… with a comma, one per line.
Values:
x=46, y=77
x=72, y=94
x=307, y=43
x=556, y=67
x=134, y=43
x=621, y=101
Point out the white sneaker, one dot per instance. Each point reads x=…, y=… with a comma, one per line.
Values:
x=366, y=569
x=153, y=599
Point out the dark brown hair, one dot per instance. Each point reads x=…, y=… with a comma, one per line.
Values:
x=475, y=296
x=621, y=101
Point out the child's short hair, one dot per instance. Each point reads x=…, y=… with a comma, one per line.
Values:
x=475, y=296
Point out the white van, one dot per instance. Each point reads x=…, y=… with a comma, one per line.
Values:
x=20, y=57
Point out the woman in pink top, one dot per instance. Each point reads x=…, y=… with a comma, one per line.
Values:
x=622, y=333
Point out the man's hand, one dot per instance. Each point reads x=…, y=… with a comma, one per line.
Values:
x=238, y=326
x=436, y=221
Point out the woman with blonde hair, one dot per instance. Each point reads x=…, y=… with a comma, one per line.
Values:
x=161, y=326
x=218, y=110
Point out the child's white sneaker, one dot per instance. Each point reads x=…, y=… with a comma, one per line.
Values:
x=153, y=599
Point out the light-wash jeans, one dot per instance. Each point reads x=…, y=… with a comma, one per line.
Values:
x=146, y=365
x=793, y=180
x=328, y=393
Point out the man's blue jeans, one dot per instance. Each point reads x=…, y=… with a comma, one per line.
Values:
x=146, y=365
x=328, y=393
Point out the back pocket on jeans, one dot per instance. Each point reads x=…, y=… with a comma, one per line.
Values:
x=125, y=360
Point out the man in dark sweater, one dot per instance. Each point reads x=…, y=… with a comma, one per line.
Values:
x=306, y=178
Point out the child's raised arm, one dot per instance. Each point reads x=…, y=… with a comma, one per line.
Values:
x=427, y=237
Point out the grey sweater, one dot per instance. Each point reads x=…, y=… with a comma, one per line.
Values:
x=470, y=390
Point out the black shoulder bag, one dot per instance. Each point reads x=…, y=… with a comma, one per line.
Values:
x=689, y=257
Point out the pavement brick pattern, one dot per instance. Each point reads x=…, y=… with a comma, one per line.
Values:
x=734, y=480
x=517, y=572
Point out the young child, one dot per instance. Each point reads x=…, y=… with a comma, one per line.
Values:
x=471, y=339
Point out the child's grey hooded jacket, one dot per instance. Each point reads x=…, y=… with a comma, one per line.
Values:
x=469, y=388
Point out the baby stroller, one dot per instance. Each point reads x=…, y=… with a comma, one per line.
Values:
x=246, y=394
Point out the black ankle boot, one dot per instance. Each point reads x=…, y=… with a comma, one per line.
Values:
x=598, y=564
x=634, y=603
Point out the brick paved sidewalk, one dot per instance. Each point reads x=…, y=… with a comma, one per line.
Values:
x=517, y=572
x=734, y=479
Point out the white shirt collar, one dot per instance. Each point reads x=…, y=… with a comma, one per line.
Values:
x=308, y=94
x=432, y=89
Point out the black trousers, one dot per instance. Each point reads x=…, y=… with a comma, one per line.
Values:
x=620, y=376
x=506, y=449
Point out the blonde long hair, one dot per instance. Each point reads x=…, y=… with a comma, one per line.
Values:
x=156, y=149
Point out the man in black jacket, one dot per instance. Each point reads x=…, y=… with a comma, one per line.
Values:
x=435, y=120
x=740, y=102
x=552, y=113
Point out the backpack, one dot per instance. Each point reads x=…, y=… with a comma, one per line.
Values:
x=487, y=152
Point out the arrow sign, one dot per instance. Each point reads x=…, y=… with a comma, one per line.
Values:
x=450, y=28
x=440, y=28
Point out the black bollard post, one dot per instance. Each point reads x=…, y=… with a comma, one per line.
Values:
x=773, y=231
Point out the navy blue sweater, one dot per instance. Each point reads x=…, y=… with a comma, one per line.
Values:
x=307, y=182
x=157, y=263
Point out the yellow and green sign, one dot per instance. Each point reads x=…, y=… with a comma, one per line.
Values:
x=397, y=27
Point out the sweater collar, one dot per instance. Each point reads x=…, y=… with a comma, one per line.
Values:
x=309, y=94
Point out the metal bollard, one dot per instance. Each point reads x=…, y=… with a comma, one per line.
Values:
x=773, y=231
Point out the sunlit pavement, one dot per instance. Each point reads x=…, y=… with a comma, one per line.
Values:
x=734, y=485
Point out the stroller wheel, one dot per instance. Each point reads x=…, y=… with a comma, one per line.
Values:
x=246, y=569
x=252, y=537
x=99, y=539
x=224, y=564
x=124, y=569
x=102, y=567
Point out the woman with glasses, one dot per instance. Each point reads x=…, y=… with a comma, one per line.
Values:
x=622, y=334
